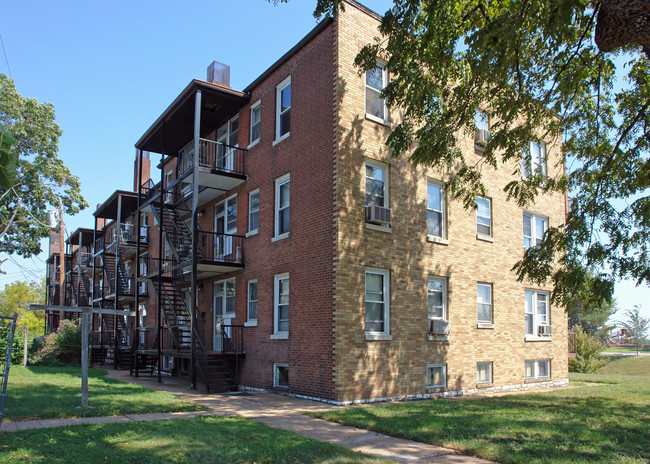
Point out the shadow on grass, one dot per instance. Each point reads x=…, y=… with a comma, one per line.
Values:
x=199, y=440
x=539, y=428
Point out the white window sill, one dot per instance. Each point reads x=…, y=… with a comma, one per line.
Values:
x=280, y=237
x=484, y=384
x=536, y=379
x=485, y=325
x=252, y=144
x=374, y=118
x=251, y=233
x=535, y=338
x=378, y=336
x=379, y=228
x=276, y=141
x=250, y=323
x=280, y=336
x=434, y=239
x=485, y=238
x=438, y=338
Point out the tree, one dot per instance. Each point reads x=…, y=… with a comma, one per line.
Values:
x=589, y=313
x=542, y=72
x=16, y=298
x=636, y=326
x=8, y=159
x=588, y=349
x=41, y=177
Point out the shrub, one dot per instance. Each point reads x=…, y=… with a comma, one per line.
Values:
x=17, y=347
x=62, y=347
x=588, y=349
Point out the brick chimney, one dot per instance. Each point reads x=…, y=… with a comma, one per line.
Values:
x=146, y=169
x=219, y=73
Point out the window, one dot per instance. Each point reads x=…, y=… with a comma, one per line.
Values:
x=537, y=369
x=535, y=161
x=437, y=298
x=483, y=216
x=484, y=303
x=251, y=316
x=281, y=375
x=484, y=372
x=253, y=211
x=436, y=376
x=436, y=226
x=224, y=298
x=256, y=118
x=281, y=312
x=534, y=229
x=537, y=311
x=283, y=109
x=376, y=80
x=376, y=185
x=377, y=301
x=481, y=121
x=282, y=206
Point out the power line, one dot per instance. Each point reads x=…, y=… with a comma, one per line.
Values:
x=5, y=53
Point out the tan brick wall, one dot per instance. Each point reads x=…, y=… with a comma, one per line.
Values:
x=370, y=369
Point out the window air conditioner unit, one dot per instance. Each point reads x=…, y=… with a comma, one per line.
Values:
x=378, y=215
x=439, y=327
x=544, y=331
x=481, y=137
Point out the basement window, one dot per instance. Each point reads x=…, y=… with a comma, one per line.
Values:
x=281, y=375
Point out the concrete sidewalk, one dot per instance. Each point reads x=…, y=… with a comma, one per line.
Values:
x=275, y=410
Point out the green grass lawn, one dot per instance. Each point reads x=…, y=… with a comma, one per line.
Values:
x=55, y=392
x=626, y=349
x=605, y=423
x=206, y=439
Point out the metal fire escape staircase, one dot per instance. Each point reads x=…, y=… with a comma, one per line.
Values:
x=213, y=368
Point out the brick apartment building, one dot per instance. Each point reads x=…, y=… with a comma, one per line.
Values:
x=319, y=265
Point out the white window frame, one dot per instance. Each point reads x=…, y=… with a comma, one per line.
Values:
x=251, y=194
x=222, y=304
x=534, y=162
x=366, y=87
x=481, y=115
x=376, y=334
x=489, y=218
x=279, y=182
x=382, y=167
x=444, y=375
x=491, y=303
x=277, y=334
x=444, y=298
x=443, y=213
x=278, y=107
x=276, y=377
x=535, y=363
x=533, y=314
x=490, y=372
x=257, y=106
x=533, y=228
x=252, y=321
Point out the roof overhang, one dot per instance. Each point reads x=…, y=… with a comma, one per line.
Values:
x=108, y=209
x=175, y=127
x=85, y=234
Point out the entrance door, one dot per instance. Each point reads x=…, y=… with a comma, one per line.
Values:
x=227, y=138
x=223, y=311
x=225, y=225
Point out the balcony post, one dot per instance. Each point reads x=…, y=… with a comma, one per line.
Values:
x=136, y=332
x=118, y=235
x=195, y=242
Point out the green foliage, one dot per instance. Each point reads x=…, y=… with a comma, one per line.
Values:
x=16, y=298
x=62, y=347
x=41, y=176
x=588, y=349
x=536, y=70
x=589, y=312
x=8, y=159
x=637, y=327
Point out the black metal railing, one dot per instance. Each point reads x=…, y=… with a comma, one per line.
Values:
x=223, y=248
x=149, y=189
x=213, y=155
x=128, y=234
x=232, y=338
x=85, y=259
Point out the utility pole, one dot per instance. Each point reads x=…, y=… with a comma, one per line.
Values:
x=61, y=261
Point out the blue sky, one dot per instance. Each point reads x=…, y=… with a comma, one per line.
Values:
x=111, y=68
